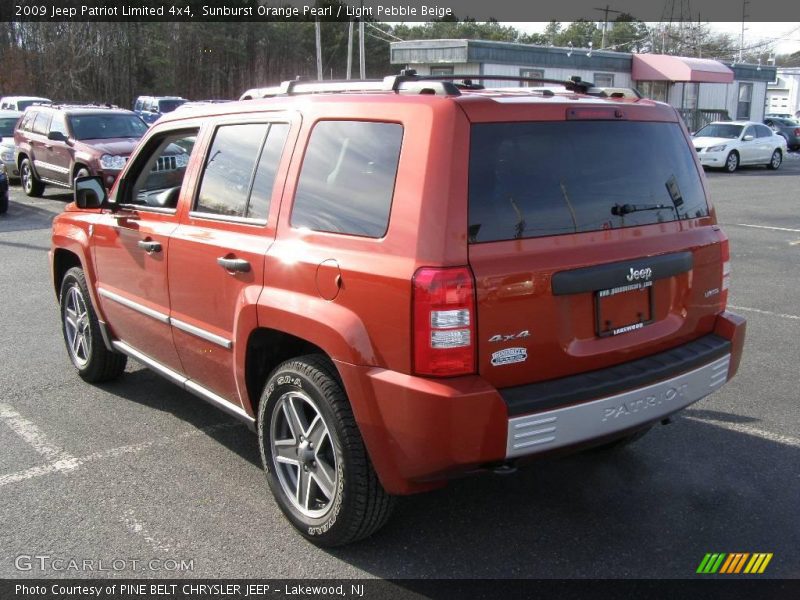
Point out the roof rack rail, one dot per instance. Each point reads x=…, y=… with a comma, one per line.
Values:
x=393, y=83
x=406, y=81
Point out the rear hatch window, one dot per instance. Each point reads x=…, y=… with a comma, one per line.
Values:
x=591, y=245
x=555, y=178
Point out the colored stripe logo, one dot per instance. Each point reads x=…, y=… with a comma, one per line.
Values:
x=734, y=563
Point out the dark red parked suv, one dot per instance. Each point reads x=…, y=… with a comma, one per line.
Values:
x=55, y=144
x=407, y=283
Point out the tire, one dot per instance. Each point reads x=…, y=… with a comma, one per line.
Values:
x=3, y=203
x=87, y=351
x=620, y=443
x=776, y=160
x=732, y=162
x=30, y=184
x=330, y=493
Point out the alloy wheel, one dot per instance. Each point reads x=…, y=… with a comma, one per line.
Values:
x=303, y=454
x=27, y=178
x=76, y=327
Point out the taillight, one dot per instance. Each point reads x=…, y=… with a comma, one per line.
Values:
x=797, y=131
x=444, y=321
x=725, y=259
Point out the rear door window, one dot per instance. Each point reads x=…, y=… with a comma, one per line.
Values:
x=264, y=181
x=553, y=178
x=229, y=169
x=347, y=180
x=41, y=123
x=763, y=131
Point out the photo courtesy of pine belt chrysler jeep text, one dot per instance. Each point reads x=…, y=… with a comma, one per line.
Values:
x=396, y=286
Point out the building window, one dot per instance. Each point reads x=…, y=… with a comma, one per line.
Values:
x=655, y=90
x=604, y=79
x=745, y=101
x=533, y=74
x=691, y=91
x=442, y=70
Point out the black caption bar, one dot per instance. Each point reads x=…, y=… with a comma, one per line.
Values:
x=373, y=10
x=507, y=589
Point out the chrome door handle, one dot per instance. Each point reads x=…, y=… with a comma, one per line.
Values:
x=149, y=246
x=239, y=265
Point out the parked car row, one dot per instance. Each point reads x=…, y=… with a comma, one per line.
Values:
x=45, y=143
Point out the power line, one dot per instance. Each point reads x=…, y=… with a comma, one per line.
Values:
x=399, y=39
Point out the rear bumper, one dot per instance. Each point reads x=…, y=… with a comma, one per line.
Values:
x=571, y=425
x=420, y=431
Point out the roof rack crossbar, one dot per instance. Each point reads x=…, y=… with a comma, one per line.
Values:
x=573, y=85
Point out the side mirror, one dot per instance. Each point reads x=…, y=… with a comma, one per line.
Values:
x=56, y=136
x=90, y=192
x=747, y=138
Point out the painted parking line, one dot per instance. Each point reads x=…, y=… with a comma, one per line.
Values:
x=786, y=440
x=767, y=227
x=32, y=435
x=765, y=312
x=137, y=527
x=70, y=463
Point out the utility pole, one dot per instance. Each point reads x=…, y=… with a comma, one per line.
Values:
x=741, y=39
x=606, y=10
x=350, y=49
x=361, y=57
x=319, y=50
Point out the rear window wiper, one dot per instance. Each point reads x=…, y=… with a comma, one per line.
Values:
x=620, y=210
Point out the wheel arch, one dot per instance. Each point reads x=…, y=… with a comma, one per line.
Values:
x=63, y=261
x=266, y=349
x=77, y=166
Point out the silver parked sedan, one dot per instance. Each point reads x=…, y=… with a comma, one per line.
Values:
x=8, y=120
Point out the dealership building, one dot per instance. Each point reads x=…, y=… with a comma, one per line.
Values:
x=701, y=89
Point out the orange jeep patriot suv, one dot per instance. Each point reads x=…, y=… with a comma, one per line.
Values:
x=399, y=281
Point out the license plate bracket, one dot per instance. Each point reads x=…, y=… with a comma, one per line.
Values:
x=623, y=309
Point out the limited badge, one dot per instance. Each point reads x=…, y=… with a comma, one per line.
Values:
x=509, y=356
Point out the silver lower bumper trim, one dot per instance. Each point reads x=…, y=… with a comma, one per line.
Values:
x=545, y=431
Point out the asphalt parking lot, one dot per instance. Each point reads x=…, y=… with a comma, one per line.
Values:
x=138, y=470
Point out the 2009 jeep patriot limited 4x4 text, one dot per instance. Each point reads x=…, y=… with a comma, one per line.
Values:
x=395, y=282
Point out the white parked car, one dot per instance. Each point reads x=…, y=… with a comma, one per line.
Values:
x=20, y=103
x=730, y=144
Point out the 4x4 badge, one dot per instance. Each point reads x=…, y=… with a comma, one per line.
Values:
x=514, y=336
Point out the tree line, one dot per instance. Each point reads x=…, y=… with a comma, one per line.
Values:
x=115, y=62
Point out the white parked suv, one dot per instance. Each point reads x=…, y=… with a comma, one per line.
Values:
x=731, y=144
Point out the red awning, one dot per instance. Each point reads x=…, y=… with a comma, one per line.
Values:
x=659, y=67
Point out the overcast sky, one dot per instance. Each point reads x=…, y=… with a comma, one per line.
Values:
x=786, y=36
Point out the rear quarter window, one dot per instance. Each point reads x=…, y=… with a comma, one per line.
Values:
x=347, y=180
x=544, y=179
